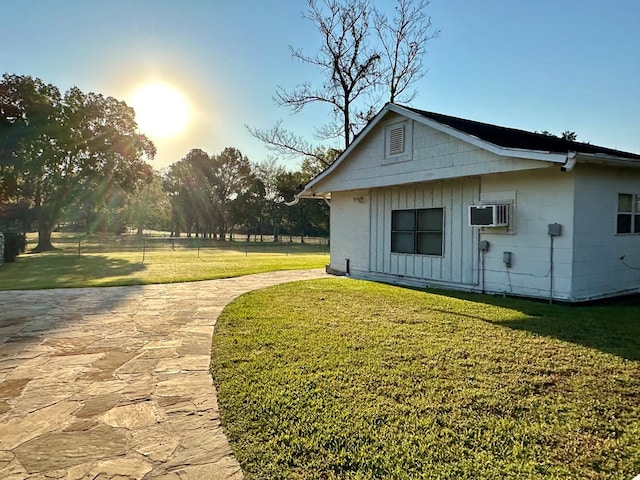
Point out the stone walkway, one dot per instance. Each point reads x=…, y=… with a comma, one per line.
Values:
x=106, y=383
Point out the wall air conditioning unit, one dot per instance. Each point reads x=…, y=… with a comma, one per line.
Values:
x=489, y=215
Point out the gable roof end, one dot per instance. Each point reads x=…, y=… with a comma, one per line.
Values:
x=502, y=141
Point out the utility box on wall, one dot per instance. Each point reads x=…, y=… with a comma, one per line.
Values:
x=555, y=230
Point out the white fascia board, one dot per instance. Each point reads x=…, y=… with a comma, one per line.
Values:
x=609, y=160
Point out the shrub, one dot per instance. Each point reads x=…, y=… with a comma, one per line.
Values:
x=14, y=244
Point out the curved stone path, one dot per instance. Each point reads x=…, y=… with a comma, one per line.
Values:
x=102, y=383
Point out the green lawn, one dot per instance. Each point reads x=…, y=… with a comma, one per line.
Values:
x=338, y=378
x=65, y=269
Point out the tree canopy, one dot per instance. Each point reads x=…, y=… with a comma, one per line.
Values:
x=212, y=195
x=54, y=147
x=77, y=160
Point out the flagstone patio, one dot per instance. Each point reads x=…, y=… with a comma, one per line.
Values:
x=114, y=382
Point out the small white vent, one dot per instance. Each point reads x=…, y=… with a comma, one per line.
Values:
x=496, y=215
x=396, y=140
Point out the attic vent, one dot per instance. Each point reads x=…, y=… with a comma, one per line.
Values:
x=396, y=140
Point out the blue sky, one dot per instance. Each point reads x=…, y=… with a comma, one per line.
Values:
x=544, y=64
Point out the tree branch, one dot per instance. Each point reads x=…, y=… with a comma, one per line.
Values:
x=286, y=143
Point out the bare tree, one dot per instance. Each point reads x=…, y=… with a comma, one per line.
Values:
x=363, y=53
x=348, y=63
x=403, y=40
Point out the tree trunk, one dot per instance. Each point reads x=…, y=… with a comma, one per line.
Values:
x=347, y=127
x=46, y=220
x=44, y=240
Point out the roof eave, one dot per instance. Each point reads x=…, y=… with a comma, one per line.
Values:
x=609, y=160
x=553, y=157
x=556, y=157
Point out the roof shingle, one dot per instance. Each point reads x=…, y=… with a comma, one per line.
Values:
x=514, y=138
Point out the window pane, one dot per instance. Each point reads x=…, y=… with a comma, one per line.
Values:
x=624, y=223
x=636, y=224
x=402, y=242
x=430, y=219
x=637, y=210
x=430, y=243
x=403, y=220
x=625, y=202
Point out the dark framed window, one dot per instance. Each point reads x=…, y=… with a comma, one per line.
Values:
x=628, y=219
x=418, y=231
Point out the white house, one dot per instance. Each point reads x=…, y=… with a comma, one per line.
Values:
x=425, y=199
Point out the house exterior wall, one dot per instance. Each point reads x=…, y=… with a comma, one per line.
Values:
x=539, y=198
x=458, y=264
x=598, y=270
x=432, y=155
x=349, y=227
x=439, y=170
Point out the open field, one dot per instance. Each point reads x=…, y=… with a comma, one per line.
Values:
x=128, y=261
x=338, y=378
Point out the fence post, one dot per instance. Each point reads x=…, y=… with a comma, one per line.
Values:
x=144, y=248
x=78, y=245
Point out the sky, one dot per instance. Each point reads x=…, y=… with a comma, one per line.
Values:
x=537, y=65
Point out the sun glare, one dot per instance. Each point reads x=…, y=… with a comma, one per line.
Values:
x=161, y=111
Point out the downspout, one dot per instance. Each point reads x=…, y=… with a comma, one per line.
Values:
x=296, y=200
x=570, y=162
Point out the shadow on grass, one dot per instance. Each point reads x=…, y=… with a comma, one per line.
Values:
x=56, y=270
x=612, y=328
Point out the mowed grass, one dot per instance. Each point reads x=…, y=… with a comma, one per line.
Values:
x=65, y=269
x=344, y=379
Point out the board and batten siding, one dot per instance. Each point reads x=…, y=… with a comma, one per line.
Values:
x=458, y=263
x=598, y=270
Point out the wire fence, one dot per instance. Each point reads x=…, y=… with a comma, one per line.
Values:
x=79, y=244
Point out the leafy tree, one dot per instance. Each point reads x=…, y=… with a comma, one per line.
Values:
x=312, y=166
x=188, y=183
x=203, y=188
x=148, y=205
x=302, y=218
x=566, y=135
x=248, y=209
x=232, y=177
x=61, y=146
x=268, y=173
x=100, y=207
x=29, y=111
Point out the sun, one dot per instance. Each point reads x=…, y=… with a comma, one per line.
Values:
x=161, y=110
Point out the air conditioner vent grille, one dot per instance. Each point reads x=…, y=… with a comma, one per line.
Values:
x=491, y=215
